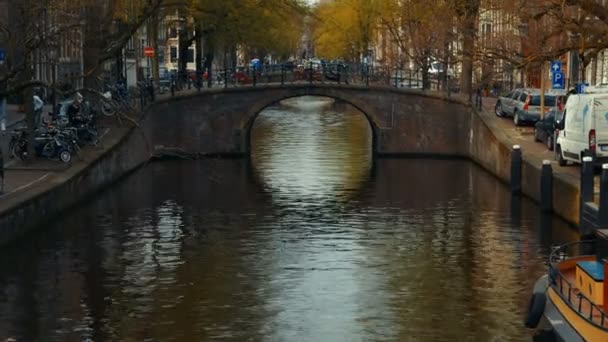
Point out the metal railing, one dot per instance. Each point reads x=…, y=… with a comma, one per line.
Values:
x=327, y=73
x=567, y=291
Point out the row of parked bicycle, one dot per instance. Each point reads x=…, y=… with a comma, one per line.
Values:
x=574, y=125
x=70, y=126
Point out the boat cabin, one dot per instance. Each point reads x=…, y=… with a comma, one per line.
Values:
x=589, y=274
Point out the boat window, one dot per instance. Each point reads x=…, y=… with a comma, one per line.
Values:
x=580, y=280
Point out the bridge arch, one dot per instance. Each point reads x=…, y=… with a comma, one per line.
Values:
x=254, y=112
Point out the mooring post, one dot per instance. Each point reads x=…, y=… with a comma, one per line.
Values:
x=516, y=170
x=586, y=194
x=546, y=187
x=282, y=74
x=603, y=219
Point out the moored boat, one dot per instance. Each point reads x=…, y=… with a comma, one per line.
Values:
x=573, y=296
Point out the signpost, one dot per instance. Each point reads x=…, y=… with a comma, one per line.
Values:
x=557, y=80
x=556, y=66
x=149, y=52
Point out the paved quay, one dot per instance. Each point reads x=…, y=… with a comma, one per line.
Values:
x=23, y=181
x=534, y=151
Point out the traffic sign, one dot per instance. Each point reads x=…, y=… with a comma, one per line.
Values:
x=556, y=66
x=2, y=56
x=558, y=80
x=580, y=88
x=149, y=51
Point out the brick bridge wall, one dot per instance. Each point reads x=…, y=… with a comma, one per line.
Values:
x=218, y=122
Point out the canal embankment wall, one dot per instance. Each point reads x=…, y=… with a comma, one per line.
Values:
x=428, y=125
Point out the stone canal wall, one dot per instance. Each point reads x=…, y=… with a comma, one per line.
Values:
x=218, y=122
x=491, y=147
x=124, y=150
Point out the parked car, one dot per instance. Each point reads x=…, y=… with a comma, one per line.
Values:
x=584, y=128
x=523, y=105
x=545, y=129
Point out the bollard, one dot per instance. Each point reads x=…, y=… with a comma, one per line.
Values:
x=282, y=74
x=367, y=75
x=586, y=194
x=546, y=187
x=255, y=78
x=604, y=196
x=516, y=170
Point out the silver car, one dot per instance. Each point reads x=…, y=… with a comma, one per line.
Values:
x=523, y=105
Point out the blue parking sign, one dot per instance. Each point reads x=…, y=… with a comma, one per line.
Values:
x=556, y=66
x=2, y=55
x=557, y=81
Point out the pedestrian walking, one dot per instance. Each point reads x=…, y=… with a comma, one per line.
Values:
x=151, y=89
x=173, y=85
x=478, y=98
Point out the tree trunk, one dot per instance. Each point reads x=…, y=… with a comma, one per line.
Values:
x=28, y=103
x=209, y=67
x=153, y=39
x=209, y=55
x=199, y=53
x=91, y=35
x=469, y=23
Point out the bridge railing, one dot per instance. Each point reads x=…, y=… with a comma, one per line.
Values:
x=324, y=73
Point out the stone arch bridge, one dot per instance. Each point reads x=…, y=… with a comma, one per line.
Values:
x=218, y=121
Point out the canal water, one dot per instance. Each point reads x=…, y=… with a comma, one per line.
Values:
x=308, y=241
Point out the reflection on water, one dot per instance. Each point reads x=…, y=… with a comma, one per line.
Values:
x=310, y=244
x=298, y=163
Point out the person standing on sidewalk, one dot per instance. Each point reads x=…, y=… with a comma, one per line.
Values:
x=38, y=106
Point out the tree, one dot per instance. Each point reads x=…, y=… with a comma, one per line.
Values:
x=346, y=29
x=467, y=12
x=35, y=28
x=423, y=31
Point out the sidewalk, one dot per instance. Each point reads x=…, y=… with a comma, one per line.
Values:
x=21, y=180
x=15, y=117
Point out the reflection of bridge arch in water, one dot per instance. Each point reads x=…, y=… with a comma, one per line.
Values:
x=312, y=149
x=321, y=100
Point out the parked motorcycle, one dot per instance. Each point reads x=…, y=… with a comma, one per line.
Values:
x=50, y=143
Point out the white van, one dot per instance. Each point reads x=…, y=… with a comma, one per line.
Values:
x=583, y=131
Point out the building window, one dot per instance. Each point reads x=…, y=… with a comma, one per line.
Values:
x=190, y=57
x=172, y=32
x=173, y=54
